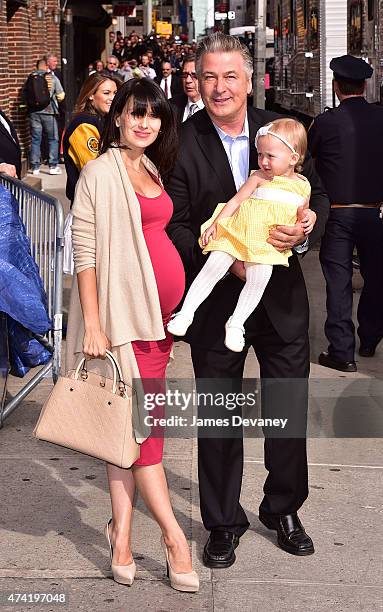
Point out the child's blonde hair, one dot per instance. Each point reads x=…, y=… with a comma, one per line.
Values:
x=295, y=133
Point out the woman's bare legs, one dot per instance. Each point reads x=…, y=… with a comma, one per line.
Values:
x=151, y=482
x=122, y=488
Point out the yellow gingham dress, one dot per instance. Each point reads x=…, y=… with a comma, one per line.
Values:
x=244, y=234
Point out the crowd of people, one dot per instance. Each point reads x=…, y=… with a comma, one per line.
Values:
x=147, y=54
x=131, y=57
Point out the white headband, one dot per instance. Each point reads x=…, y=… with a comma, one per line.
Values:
x=266, y=130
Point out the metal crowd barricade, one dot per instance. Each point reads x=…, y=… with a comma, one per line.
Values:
x=43, y=218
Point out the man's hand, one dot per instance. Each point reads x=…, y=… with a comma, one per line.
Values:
x=8, y=169
x=238, y=268
x=284, y=237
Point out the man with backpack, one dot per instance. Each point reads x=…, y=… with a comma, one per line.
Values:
x=43, y=92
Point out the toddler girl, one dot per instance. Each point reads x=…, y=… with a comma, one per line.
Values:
x=273, y=195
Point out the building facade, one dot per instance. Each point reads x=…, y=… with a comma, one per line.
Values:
x=25, y=36
x=203, y=15
x=308, y=34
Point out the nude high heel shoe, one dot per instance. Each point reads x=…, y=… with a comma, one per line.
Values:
x=124, y=574
x=188, y=581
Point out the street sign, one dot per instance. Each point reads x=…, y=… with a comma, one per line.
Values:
x=231, y=15
x=163, y=28
x=220, y=16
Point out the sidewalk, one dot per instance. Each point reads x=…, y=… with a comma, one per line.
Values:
x=56, y=502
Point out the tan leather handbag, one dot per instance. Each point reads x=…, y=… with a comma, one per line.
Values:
x=91, y=414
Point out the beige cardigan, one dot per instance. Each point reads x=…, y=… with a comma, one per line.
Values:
x=107, y=234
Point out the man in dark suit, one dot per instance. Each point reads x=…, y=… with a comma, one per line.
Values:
x=347, y=145
x=189, y=101
x=169, y=83
x=10, y=153
x=217, y=152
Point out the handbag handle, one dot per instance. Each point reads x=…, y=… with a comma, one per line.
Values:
x=116, y=371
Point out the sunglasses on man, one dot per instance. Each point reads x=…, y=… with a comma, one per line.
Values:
x=185, y=75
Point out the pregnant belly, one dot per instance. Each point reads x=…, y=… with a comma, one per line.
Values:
x=168, y=270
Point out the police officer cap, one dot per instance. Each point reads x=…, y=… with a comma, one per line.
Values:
x=350, y=68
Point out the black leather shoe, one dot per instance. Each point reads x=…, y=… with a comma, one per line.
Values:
x=325, y=360
x=291, y=534
x=219, y=549
x=367, y=351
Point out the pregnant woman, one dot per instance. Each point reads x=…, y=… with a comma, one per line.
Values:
x=129, y=280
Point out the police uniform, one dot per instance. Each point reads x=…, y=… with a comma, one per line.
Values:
x=347, y=145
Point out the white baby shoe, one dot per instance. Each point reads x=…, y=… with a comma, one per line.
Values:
x=179, y=324
x=235, y=336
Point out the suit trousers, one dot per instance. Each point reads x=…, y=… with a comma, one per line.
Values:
x=284, y=369
x=345, y=229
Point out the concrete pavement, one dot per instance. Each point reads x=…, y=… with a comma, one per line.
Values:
x=55, y=503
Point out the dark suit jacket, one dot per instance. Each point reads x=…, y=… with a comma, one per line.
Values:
x=201, y=178
x=9, y=147
x=175, y=85
x=346, y=143
x=178, y=103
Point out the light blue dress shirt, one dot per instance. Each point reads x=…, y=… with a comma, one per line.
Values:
x=237, y=151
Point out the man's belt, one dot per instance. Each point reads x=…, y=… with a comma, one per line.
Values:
x=374, y=205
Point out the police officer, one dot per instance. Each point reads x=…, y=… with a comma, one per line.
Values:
x=347, y=145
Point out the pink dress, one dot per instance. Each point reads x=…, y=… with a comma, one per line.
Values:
x=152, y=357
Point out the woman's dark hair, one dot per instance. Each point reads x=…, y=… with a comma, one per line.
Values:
x=145, y=94
x=89, y=88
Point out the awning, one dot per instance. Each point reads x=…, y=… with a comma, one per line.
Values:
x=90, y=12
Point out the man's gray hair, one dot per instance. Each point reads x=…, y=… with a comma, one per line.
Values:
x=223, y=43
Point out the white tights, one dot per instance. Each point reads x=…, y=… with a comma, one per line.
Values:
x=218, y=263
